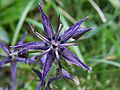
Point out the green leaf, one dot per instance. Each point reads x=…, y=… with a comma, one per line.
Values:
x=3, y=35
x=21, y=21
x=116, y=64
x=115, y=3
x=34, y=22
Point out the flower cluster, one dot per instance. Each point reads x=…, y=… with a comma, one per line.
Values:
x=53, y=47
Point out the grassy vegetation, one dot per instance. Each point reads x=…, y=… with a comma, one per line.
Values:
x=99, y=48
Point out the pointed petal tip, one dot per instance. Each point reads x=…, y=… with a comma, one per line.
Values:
x=90, y=70
x=87, y=17
x=84, y=19
x=39, y=4
x=93, y=28
x=89, y=28
x=74, y=80
x=25, y=33
x=39, y=86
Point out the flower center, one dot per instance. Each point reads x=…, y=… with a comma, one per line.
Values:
x=54, y=44
x=13, y=54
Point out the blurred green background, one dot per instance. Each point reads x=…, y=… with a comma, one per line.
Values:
x=99, y=48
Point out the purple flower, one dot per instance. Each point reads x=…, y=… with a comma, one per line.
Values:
x=1, y=88
x=13, y=57
x=80, y=32
x=54, y=47
x=60, y=73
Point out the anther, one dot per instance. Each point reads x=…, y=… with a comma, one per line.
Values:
x=53, y=38
x=61, y=42
x=59, y=39
x=46, y=44
x=62, y=49
x=49, y=39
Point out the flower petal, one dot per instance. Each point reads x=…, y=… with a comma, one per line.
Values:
x=31, y=60
x=3, y=46
x=72, y=58
x=26, y=60
x=68, y=34
x=38, y=73
x=22, y=39
x=80, y=32
x=1, y=88
x=62, y=72
x=49, y=32
x=13, y=70
x=30, y=44
x=23, y=60
x=43, y=58
x=39, y=86
x=4, y=61
x=47, y=66
x=33, y=46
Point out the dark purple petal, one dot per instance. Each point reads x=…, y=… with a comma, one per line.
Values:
x=49, y=32
x=18, y=59
x=80, y=32
x=26, y=60
x=47, y=66
x=33, y=46
x=3, y=46
x=72, y=58
x=22, y=39
x=43, y=58
x=38, y=73
x=31, y=60
x=62, y=72
x=68, y=34
x=4, y=61
x=13, y=70
x=30, y=44
x=39, y=86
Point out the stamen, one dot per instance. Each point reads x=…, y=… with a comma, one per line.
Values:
x=59, y=39
x=17, y=46
x=57, y=55
x=14, y=53
x=59, y=30
x=38, y=35
x=69, y=44
x=61, y=42
x=46, y=51
x=53, y=38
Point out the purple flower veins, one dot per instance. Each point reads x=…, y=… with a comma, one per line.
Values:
x=54, y=45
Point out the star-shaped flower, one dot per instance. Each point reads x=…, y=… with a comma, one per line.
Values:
x=12, y=57
x=60, y=73
x=54, y=45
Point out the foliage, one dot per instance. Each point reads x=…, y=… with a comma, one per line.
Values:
x=98, y=48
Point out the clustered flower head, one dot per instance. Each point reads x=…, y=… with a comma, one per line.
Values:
x=53, y=47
